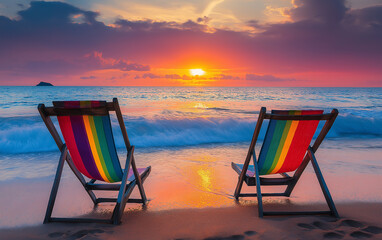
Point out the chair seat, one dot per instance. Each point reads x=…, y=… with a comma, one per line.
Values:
x=130, y=175
x=143, y=172
x=239, y=167
x=250, y=179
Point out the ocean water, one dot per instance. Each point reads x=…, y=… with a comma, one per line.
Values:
x=167, y=117
x=189, y=136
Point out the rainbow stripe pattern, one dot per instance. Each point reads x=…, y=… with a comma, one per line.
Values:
x=90, y=141
x=286, y=142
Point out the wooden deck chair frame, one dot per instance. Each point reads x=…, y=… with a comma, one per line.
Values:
x=124, y=188
x=285, y=179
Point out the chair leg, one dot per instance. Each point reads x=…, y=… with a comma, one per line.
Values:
x=259, y=196
x=240, y=180
x=324, y=187
x=120, y=205
x=116, y=217
x=258, y=189
x=139, y=182
x=238, y=188
x=56, y=183
x=142, y=193
x=121, y=200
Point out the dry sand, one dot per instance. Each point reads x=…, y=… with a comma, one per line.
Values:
x=358, y=220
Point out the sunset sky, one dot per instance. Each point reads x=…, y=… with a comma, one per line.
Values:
x=287, y=43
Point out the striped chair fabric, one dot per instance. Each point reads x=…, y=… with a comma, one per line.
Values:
x=90, y=141
x=286, y=142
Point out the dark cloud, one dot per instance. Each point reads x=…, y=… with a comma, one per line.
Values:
x=186, y=77
x=329, y=38
x=172, y=76
x=150, y=75
x=367, y=18
x=121, y=76
x=256, y=24
x=54, y=14
x=88, y=77
x=203, y=20
x=194, y=26
x=328, y=11
x=140, y=25
x=166, y=76
x=150, y=25
x=97, y=60
x=227, y=77
x=220, y=77
x=266, y=78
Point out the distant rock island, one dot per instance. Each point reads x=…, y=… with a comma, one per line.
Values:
x=44, y=84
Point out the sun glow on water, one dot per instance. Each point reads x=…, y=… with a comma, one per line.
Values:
x=197, y=72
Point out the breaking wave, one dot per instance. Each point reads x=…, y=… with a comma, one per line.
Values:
x=29, y=134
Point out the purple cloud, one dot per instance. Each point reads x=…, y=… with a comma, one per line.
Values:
x=166, y=76
x=88, y=77
x=227, y=77
x=97, y=60
x=173, y=76
x=151, y=75
x=325, y=36
x=267, y=78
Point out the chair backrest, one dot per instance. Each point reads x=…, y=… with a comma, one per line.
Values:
x=286, y=142
x=86, y=128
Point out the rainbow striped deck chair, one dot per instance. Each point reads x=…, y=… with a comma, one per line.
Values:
x=286, y=148
x=90, y=152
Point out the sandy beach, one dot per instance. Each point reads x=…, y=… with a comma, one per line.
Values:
x=358, y=221
x=192, y=198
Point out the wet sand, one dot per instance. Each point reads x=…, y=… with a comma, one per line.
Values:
x=190, y=192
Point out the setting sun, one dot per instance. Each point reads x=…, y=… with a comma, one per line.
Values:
x=197, y=72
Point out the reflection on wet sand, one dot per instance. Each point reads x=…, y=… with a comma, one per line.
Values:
x=196, y=177
x=197, y=182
